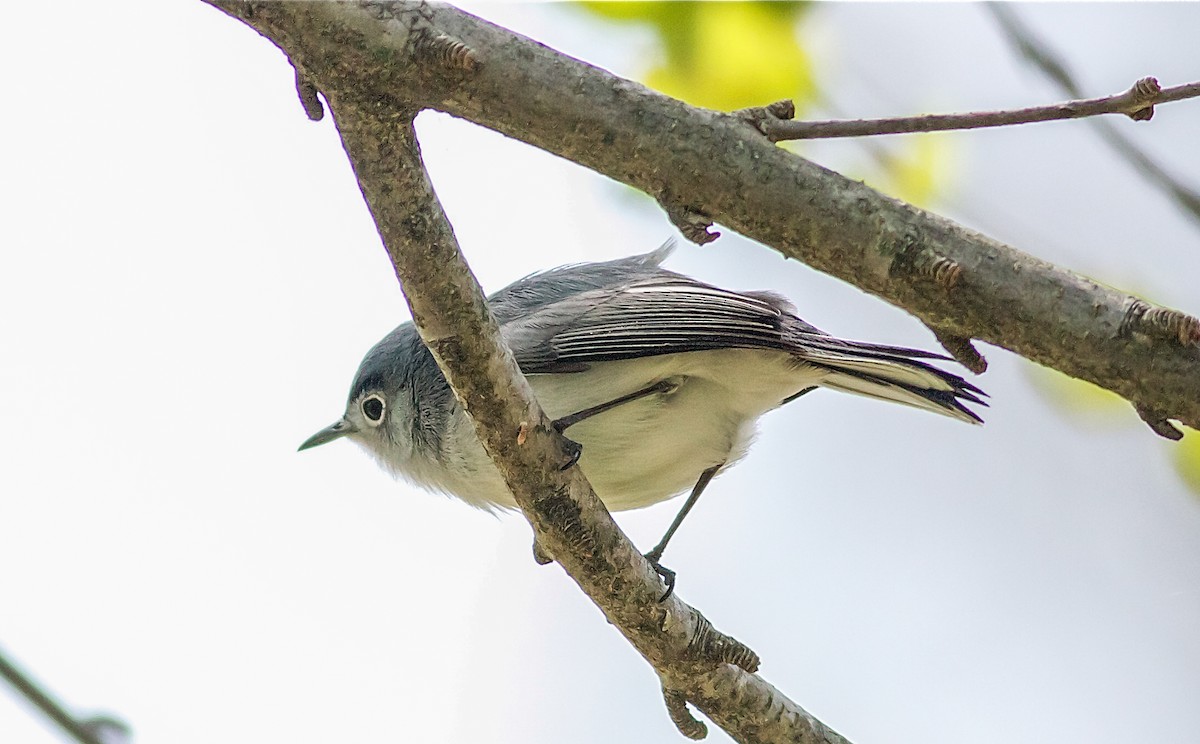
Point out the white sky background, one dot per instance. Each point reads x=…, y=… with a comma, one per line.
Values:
x=189, y=277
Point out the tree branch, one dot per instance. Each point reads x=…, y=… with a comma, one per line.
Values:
x=694, y=661
x=1137, y=103
x=97, y=729
x=1041, y=56
x=378, y=63
x=725, y=170
x=569, y=521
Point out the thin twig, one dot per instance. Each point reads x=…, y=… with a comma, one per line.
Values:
x=1051, y=64
x=27, y=688
x=1137, y=103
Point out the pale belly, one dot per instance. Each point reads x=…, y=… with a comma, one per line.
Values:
x=651, y=449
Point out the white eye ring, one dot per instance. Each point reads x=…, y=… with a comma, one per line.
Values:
x=373, y=407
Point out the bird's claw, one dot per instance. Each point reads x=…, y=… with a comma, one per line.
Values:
x=666, y=574
x=574, y=452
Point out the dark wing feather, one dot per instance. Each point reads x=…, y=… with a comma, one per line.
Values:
x=667, y=313
x=661, y=314
x=632, y=308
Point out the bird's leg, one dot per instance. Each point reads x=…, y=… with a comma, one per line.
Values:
x=792, y=397
x=655, y=555
x=662, y=386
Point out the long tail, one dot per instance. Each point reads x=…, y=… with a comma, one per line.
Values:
x=894, y=373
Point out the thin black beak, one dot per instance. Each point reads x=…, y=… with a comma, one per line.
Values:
x=328, y=434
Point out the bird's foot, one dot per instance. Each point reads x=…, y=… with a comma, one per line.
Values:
x=574, y=452
x=666, y=574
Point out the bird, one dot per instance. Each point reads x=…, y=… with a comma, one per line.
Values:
x=658, y=377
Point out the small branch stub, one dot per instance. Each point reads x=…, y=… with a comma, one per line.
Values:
x=1141, y=99
x=309, y=100
x=761, y=117
x=445, y=50
x=963, y=351
x=691, y=223
x=1158, y=423
x=944, y=271
x=306, y=90
x=677, y=709
x=919, y=261
x=540, y=556
x=1161, y=322
x=710, y=644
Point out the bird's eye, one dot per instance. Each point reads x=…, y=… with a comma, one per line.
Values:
x=372, y=408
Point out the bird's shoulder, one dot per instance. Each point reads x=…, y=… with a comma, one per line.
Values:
x=632, y=308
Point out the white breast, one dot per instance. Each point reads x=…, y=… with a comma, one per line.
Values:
x=647, y=450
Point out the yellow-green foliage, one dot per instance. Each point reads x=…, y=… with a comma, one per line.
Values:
x=1080, y=398
x=1186, y=453
x=723, y=55
x=918, y=169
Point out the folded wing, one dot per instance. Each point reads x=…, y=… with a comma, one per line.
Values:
x=638, y=315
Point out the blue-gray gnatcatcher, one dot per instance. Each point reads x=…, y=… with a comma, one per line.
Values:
x=660, y=378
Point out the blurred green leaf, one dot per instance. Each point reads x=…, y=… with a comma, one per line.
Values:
x=652, y=12
x=1080, y=398
x=918, y=169
x=723, y=56
x=1186, y=454
x=1093, y=405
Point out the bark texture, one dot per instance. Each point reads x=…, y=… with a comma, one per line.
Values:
x=379, y=63
x=961, y=284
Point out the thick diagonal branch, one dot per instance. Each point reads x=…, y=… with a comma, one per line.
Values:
x=724, y=169
x=377, y=63
x=694, y=661
x=569, y=521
